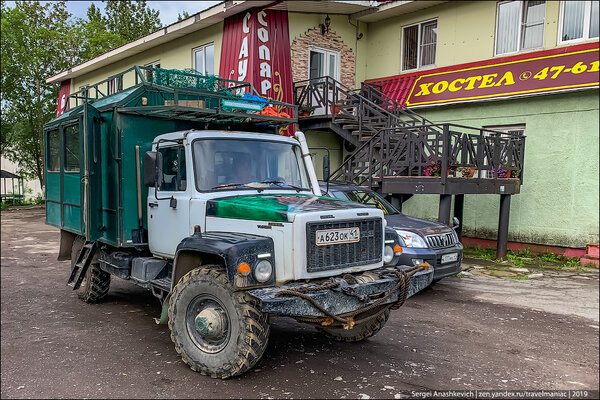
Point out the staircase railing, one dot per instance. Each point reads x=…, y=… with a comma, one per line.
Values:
x=433, y=150
x=374, y=93
x=346, y=105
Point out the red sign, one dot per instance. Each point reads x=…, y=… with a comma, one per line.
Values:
x=552, y=73
x=65, y=90
x=256, y=49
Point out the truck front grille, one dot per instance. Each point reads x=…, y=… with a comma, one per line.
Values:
x=337, y=256
x=440, y=241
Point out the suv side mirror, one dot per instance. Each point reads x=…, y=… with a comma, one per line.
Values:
x=326, y=172
x=153, y=169
x=456, y=223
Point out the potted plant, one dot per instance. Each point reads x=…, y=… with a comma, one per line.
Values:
x=466, y=172
x=305, y=111
x=335, y=108
x=500, y=173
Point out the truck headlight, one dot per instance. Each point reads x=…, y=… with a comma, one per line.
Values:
x=263, y=271
x=388, y=254
x=411, y=239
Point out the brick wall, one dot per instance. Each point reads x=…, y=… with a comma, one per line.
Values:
x=330, y=41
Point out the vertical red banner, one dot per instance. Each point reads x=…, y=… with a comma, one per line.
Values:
x=65, y=90
x=256, y=49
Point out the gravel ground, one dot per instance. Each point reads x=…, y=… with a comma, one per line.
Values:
x=473, y=332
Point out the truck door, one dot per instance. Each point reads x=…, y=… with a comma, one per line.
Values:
x=94, y=191
x=169, y=205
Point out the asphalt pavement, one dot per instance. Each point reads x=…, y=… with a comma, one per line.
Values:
x=475, y=332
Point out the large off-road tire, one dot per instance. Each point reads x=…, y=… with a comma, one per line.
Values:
x=218, y=332
x=96, y=283
x=358, y=332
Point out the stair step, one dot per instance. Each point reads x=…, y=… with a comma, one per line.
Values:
x=587, y=259
x=592, y=250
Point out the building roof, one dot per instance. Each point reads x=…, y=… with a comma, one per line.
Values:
x=6, y=174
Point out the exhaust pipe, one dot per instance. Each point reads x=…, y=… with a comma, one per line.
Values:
x=312, y=176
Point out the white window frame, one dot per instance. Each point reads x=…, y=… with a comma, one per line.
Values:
x=115, y=85
x=519, y=30
x=586, y=24
x=153, y=64
x=202, y=48
x=326, y=53
x=419, y=66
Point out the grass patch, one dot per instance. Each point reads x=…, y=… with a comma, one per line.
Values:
x=524, y=259
x=19, y=202
x=519, y=278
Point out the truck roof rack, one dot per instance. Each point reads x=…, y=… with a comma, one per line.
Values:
x=184, y=95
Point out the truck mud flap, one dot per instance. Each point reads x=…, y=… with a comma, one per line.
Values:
x=339, y=300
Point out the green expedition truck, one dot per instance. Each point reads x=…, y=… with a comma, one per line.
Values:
x=182, y=186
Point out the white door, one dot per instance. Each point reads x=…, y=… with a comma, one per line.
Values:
x=169, y=204
x=322, y=63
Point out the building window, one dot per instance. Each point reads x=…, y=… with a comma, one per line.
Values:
x=204, y=59
x=173, y=169
x=520, y=26
x=115, y=85
x=148, y=72
x=323, y=62
x=418, y=45
x=52, y=156
x=579, y=20
x=72, y=148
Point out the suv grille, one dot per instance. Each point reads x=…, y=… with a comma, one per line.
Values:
x=441, y=241
x=337, y=256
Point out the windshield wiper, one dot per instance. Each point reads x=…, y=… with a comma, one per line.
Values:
x=226, y=185
x=282, y=184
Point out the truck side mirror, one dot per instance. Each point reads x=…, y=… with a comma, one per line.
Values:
x=153, y=169
x=326, y=172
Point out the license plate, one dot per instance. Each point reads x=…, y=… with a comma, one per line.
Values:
x=338, y=236
x=446, y=258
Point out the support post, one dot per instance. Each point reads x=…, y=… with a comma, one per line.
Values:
x=396, y=201
x=459, y=201
x=502, y=244
x=444, y=208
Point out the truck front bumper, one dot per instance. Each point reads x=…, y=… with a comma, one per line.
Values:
x=337, y=301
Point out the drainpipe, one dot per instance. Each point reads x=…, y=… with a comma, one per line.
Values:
x=309, y=164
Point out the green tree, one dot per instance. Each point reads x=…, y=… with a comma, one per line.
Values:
x=130, y=19
x=32, y=49
x=181, y=17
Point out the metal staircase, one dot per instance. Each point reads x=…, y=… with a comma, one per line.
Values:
x=394, y=142
x=399, y=153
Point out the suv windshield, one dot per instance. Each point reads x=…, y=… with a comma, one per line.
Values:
x=248, y=164
x=366, y=197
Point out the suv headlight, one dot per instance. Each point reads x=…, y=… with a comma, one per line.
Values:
x=411, y=239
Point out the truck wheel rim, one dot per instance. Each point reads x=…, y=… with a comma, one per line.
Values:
x=208, y=323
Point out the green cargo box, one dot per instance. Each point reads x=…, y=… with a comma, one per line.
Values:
x=103, y=131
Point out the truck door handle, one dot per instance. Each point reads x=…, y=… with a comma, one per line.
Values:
x=152, y=205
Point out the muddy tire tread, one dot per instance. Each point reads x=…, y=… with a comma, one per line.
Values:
x=251, y=348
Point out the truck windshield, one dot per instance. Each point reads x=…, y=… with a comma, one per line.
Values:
x=222, y=164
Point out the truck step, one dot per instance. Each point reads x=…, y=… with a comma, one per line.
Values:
x=162, y=283
x=84, y=259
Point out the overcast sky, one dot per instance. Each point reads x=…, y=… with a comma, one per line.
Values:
x=168, y=9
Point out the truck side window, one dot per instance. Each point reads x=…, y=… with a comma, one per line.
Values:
x=53, y=159
x=72, y=148
x=174, y=174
